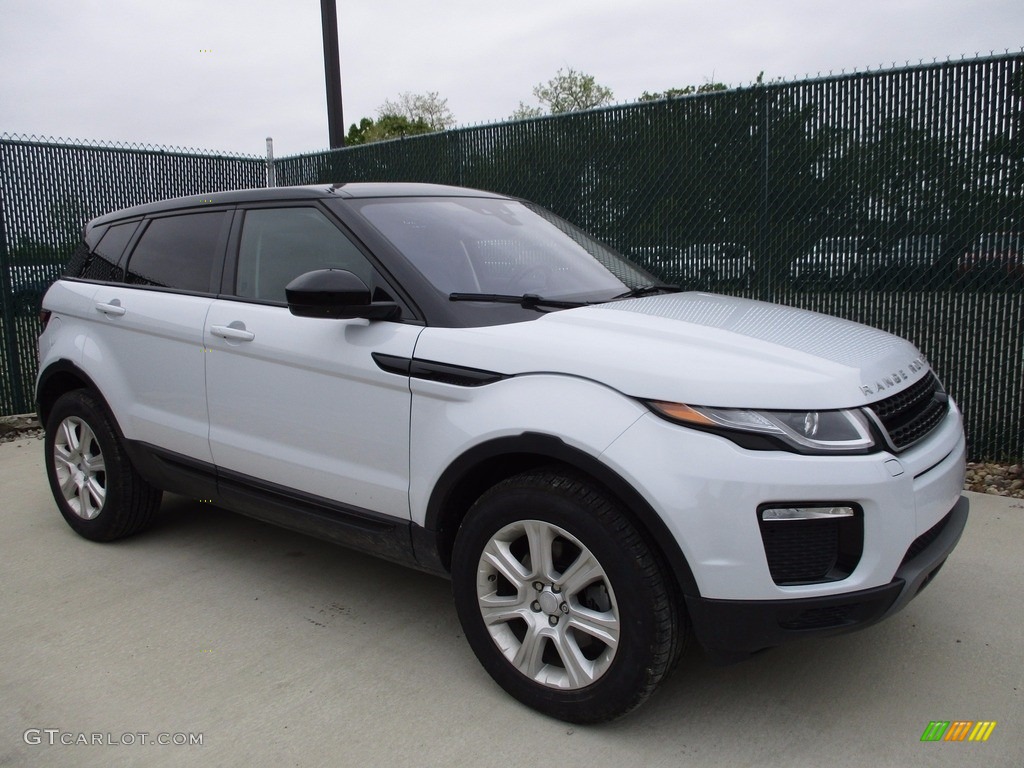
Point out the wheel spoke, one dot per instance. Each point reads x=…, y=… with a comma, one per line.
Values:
x=62, y=457
x=541, y=537
x=85, y=508
x=584, y=570
x=96, y=491
x=529, y=656
x=94, y=464
x=67, y=429
x=500, y=610
x=577, y=666
x=85, y=439
x=499, y=556
x=603, y=626
x=68, y=484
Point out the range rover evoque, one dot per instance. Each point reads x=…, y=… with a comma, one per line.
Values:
x=467, y=384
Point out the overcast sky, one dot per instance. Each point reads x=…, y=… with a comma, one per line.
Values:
x=225, y=74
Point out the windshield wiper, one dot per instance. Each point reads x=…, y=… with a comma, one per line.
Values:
x=647, y=290
x=526, y=300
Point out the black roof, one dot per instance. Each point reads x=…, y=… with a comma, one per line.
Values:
x=312, y=192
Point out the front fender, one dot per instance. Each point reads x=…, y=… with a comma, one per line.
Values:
x=449, y=421
x=464, y=439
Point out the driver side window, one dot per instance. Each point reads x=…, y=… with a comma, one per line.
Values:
x=279, y=244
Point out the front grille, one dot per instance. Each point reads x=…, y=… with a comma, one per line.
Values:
x=913, y=413
x=812, y=551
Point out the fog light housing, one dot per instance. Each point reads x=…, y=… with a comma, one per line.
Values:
x=811, y=543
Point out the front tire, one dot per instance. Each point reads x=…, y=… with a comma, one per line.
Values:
x=96, y=488
x=561, y=598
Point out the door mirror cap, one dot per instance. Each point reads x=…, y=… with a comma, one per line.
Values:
x=336, y=293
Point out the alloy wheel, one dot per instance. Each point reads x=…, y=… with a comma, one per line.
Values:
x=80, y=467
x=548, y=604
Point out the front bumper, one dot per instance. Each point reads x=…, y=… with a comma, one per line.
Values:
x=733, y=629
x=708, y=492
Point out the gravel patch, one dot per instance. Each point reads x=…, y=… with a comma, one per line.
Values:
x=997, y=479
x=983, y=477
x=19, y=427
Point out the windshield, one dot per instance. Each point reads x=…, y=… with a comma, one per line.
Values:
x=476, y=245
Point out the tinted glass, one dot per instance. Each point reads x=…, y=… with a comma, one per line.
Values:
x=480, y=245
x=79, y=258
x=279, y=244
x=105, y=260
x=178, y=252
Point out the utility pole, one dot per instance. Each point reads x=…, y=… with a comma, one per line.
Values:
x=332, y=73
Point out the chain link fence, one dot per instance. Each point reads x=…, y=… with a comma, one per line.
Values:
x=894, y=198
x=48, y=190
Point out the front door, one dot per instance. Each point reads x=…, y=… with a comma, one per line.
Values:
x=298, y=404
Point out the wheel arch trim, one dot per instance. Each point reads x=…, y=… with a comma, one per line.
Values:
x=63, y=370
x=533, y=449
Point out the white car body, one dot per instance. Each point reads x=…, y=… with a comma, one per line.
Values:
x=388, y=424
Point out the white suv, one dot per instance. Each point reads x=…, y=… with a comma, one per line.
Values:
x=466, y=384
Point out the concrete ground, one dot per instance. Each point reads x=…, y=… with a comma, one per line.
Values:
x=280, y=650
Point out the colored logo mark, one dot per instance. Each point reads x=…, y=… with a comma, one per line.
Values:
x=958, y=730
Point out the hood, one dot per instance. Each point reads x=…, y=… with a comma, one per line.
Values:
x=696, y=348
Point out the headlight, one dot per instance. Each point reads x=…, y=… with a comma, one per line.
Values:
x=843, y=431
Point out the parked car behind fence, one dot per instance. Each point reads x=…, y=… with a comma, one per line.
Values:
x=912, y=262
x=702, y=266
x=994, y=261
x=838, y=263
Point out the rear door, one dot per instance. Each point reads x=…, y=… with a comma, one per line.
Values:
x=147, y=339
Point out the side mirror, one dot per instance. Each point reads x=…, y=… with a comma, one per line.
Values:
x=336, y=293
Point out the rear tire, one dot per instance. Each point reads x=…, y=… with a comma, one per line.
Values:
x=96, y=488
x=561, y=598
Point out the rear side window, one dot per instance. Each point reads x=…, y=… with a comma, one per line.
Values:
x=179, y=252
x=99, y=254
x=104, y=262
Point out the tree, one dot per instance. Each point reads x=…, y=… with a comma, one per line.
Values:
x=709, y=87
x=411, y=114
x=387, y=126
x=429, y=108
x=675, y=93
x=525, y=112
x=567, y=91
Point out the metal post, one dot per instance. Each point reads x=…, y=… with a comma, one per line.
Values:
x=271, y=168
x=332, y=73
x=770, y=274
